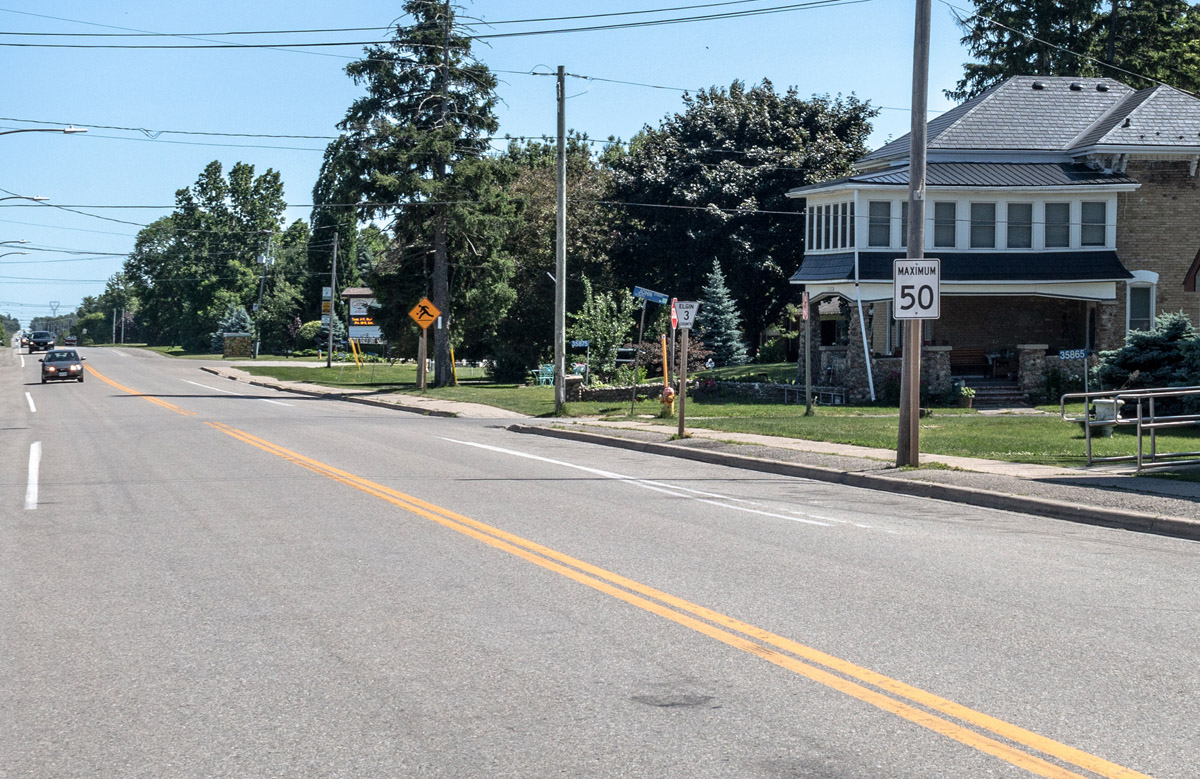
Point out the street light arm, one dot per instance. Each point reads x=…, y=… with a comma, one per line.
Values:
x=35, y=198
x=8, y=253
x=67, y=130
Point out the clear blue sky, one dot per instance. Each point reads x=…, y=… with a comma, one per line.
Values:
x=864, y=48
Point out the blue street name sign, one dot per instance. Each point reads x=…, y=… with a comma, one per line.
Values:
x=649, y=294
x=1072, y=354
x=580, y=344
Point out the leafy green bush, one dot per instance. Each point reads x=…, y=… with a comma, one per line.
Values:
x=774, y=350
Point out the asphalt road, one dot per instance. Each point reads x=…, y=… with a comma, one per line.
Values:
x=210, y=579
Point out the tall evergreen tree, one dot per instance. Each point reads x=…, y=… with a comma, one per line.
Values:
x=719, y=322
x=1158, y=40
x=411, y=150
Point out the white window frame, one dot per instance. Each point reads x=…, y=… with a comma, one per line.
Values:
x=1142, y=279
x=1072, y=224
x=884, y=221
x=971, y=223
x=934, y=222
x=1007, y=222
x=1103, y=225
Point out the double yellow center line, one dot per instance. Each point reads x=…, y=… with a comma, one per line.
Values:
x=900, y=699
x=967, y=726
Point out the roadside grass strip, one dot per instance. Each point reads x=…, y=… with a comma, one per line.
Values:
x=885, y=693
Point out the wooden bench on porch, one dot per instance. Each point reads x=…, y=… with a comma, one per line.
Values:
x=970, y=362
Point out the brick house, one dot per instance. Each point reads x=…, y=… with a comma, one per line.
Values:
x=1065, y=212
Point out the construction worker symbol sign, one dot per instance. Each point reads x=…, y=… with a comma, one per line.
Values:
x=425, y=313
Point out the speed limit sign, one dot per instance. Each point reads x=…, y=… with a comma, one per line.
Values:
x=917, y=289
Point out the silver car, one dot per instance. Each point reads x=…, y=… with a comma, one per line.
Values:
x=62, y=365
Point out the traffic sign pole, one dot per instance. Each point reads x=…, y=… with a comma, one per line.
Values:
x=808, y=409
x=683, y=379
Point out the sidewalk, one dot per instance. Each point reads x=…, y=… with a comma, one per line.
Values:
x=1108, y=496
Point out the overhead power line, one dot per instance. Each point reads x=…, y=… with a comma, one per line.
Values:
x=811, y=4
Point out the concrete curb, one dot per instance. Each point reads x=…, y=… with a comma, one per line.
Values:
x=349, y=398
x=1177, y=527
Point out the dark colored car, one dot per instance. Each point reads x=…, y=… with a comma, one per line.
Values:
x=24, y=339
x=40, y=341
x=62, y=365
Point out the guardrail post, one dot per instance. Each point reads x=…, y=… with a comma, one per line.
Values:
x=1153, y=433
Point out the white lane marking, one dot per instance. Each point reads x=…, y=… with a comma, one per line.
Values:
x=227, y=392
x=118, y=351
x=35, y=462
x=32, y=407
x=22, y=359
x=711, y=498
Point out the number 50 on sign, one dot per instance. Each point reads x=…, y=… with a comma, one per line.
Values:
x=917, y=289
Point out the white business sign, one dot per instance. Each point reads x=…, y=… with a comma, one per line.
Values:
x=917, y=289
x=361, y=306
x=686, y=311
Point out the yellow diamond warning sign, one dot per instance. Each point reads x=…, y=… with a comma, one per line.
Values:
x=425, y=313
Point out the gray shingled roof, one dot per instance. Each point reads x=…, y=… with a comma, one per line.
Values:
x=1014, y=115
x=982, y=174
x=1159, y=116
x=970, y=266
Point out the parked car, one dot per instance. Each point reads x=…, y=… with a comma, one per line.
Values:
x=40, y=341
x=62, y=365
x=70, y=340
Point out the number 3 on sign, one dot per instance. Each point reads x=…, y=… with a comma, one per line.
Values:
x=917, y=289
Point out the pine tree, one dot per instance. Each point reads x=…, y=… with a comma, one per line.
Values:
x=235, y=320
x=719, y=321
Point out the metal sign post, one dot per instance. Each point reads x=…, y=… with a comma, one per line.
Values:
x=1076, y=354
x=808, y=409
x=647, y=295
x=674, y=327
x=686, y=311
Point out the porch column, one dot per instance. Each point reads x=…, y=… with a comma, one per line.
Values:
x=935, y=370
x=1109, y=329
x=1031, y=368
x=855, y=379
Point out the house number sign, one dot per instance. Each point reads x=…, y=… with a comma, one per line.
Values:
x=917, y=289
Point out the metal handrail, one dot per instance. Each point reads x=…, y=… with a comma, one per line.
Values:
x=1146, y=419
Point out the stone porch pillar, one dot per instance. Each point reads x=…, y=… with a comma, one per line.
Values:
x=935, y=369
x=1031, y=368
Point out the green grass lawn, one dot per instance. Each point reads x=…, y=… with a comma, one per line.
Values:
x=950, y=431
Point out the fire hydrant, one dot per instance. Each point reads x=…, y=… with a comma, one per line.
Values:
x=668, y=403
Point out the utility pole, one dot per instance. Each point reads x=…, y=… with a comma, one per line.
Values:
x=114, y=334
x=332, y=300
x=440, y=286
x=908, y=448
x=122, y=326
x=265, y=260
x=560, y=253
